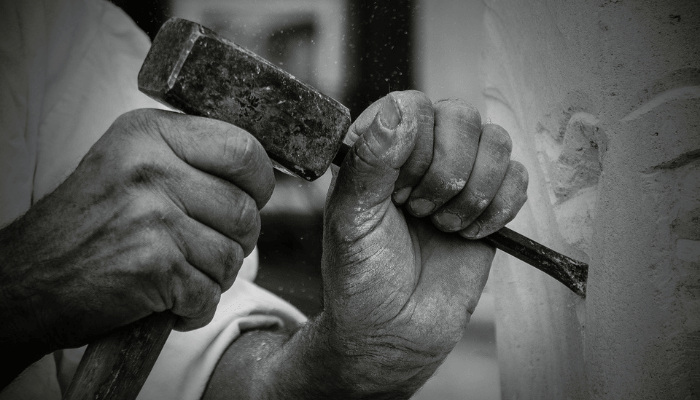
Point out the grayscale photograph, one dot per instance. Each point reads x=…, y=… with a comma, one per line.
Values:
x=350, y=199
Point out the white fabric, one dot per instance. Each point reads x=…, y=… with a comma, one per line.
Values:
x=68, y=68
x=189, y=358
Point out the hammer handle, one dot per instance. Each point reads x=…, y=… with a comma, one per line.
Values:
x=116, y=366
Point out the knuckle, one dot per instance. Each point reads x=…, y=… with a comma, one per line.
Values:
x=506, y=217
x=267, y=186
x=152, y=244
x=519, y=169
x=157, y=226
x=461, y=109
x=509, y=207
x=419, y=98
x=152, y=261
x=145, y=174
x=413, y=171
x=499, y=138
x=478, y=202
x=264, y=178
x=520, y=202
x=507, y=212
x=520, y=172
x=245, y=220
x=158, y=272
x=156, y=212
x=145, y=207
x=251, y=236
x=239, y=149
x=160, y=259
x=204, y=301
x=245, y=213
x=437, y=187
x=129, y=118
x=197, y=303
x=230, y=258
x=139, y=121
x=450, y=183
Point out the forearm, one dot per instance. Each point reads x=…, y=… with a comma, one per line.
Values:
x=314, y=363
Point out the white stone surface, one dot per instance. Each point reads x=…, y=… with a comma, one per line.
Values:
x=625, y=76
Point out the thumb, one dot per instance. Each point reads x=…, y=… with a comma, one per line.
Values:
x=384, y=135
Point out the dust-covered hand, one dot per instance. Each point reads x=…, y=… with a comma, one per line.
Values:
x=158, y=216
x=400, y=288
x=401, y=277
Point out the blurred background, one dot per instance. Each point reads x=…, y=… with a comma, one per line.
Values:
x=355, y=52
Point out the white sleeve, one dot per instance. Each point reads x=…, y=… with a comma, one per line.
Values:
x=23, y=46
x=94, y=58
x=68, y=68
x=188, y=358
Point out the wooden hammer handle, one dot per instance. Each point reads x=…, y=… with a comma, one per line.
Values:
x=116, y=366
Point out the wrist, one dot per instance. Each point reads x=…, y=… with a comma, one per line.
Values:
x=346, y=365
x=305, y=366
x=384, y=362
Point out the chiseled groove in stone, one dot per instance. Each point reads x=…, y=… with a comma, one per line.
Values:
x=681, y=93
x=681, y=160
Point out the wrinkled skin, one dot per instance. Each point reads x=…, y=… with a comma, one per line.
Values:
x=401, y=278
x=158, y=216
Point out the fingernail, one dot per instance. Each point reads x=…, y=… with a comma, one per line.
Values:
x=422, y=207
x=472, y=231
x=401, y=195
x=448, y=221
x=389, y=115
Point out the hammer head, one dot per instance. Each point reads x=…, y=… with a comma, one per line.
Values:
x=198, y=72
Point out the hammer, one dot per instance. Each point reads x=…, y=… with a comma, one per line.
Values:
x=198, y=72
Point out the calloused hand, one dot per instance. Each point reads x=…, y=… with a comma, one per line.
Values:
x=401, y=278
x=398, y=288
x=159, y=215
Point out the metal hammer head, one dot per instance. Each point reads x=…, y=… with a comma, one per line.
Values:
x=194, y=70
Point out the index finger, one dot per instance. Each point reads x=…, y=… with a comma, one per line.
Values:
x=220, y=149
x=457, y=132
